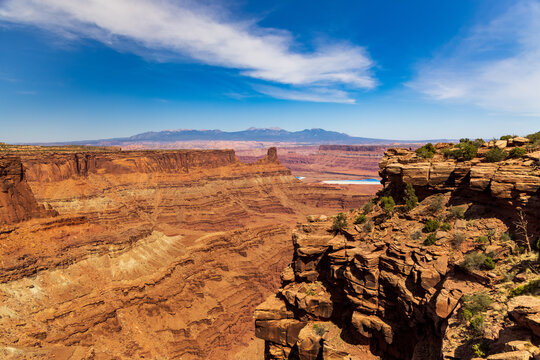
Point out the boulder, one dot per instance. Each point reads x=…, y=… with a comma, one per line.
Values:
x=525, y=311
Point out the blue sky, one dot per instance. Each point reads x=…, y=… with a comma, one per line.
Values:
x=73, y=70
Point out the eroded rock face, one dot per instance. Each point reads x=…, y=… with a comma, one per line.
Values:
x=17, y=202
x=385, y=290
x=154, y=254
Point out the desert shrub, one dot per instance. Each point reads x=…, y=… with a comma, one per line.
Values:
x=488, y=264
x=495, y=155
x=480, y=349
x=436, y=204
x=368, y=226
x=476, y=303
x=465, y=150
x=456, y=212
x=416, y=235
x=360, y=219
x=477, y=261
x=481, y=240
x=517, y=152
x=478, y=142
x=506, y=137
x=431, y=225
x=368, y=207
x=319, y=329
x=535, y=138
x=446, y=227
x=532, y=287
x=410, y=198
x=477, y=323
x=388, y=203
x=431, y=239
x=505, y=237
x=340, y=222
x=458, y=239
x=426, y=151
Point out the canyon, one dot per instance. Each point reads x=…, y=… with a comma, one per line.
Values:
x=444, y=274
x=144, y=254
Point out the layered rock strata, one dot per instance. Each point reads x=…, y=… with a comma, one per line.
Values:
x=388, y=286
x=155, y=254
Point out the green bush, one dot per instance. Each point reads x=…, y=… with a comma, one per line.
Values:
x=495, y=155
x=410, y=198
x=388, y=204
x=431, y=225
x=481, y=240
x=477, y=323
x=446, y=227
x=368, y=207
x=480, y=349
x=506, y=137
x=505, y=237
x=535, y=138
x=340, y=222
x=476, y=303
x=431, y=239
x=427, y=151
x=488, y=264
x=456, y=212
x=465, y=150
x=474, y=260
x=360, y=219
x=532, y=287
x=516, y=153
x=478, y=142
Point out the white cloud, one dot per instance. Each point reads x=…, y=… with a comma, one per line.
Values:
x=310, y=94
x=496, y=66
x=207, y=35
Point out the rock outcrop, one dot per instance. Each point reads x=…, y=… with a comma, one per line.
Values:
x=388, y=285
x=17, y=202
x=152, y=254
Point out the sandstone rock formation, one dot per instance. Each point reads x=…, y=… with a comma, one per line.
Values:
x=389, y=286
x=151, y=254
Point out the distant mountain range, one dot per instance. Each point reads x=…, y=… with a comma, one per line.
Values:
x=307, y=136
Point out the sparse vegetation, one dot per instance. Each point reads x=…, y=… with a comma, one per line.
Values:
x=368, y=226
x=427, y=151
x=456, y=212
x=477, y=261
x=319, y=329
x=532, y=287
x=431, y=225
x=360, y=219
x=506, y=137
x=496, y=155
x=340, y=222
x=474, y=305
x=388, y=204
x=459, y=237
x=436, y=204
x=535, y=138
x=465, y=150
x=416, y=235
x=410, y=198
x=446, y=227
x=505, y=237
x=431, y=239
x=517, y=153
x=480, y=349
x=368, y=207
x=481, y=240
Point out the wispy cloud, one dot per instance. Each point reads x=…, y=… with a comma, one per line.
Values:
x=203, y=34
x=496, y=66
x=309, y=94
